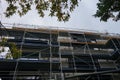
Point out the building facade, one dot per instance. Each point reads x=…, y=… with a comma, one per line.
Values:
x=61, y=54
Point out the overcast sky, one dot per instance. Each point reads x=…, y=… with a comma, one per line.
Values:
x=81, y=18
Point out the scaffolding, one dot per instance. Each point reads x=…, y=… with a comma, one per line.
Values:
x=59, y=54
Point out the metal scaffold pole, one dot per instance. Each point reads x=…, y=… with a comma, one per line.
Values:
x=50, y=54
x=116, y=50
x=95, y=68
x=73, y=56
x=60, y=59
x=23, y=37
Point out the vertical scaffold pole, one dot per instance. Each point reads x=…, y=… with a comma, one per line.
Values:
x=60, y=58
x=23, y=37
x=95, y=68
x=116, y=50
x=73, y=56
x=50, y=54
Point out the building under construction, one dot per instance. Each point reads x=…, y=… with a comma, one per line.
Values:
x=60, y=54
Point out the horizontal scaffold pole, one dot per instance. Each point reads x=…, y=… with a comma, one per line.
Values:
x=94, y=73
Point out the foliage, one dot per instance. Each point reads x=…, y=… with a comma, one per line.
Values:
x=62, y=8
x=59, y=8
x=16, y=53
x=108, y=9
x=8, y=56
x=2, y=43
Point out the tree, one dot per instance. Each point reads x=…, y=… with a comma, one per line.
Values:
x=59, y=8
x=62, y=8
x=108, y=9
x=14, y=52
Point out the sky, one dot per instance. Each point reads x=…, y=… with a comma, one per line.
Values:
x=81, y=18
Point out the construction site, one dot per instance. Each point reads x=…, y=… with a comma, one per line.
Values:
x=60, y=54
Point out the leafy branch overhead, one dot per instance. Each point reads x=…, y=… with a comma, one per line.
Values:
x=108, y=9
x=58, y=8
x=62, y=8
